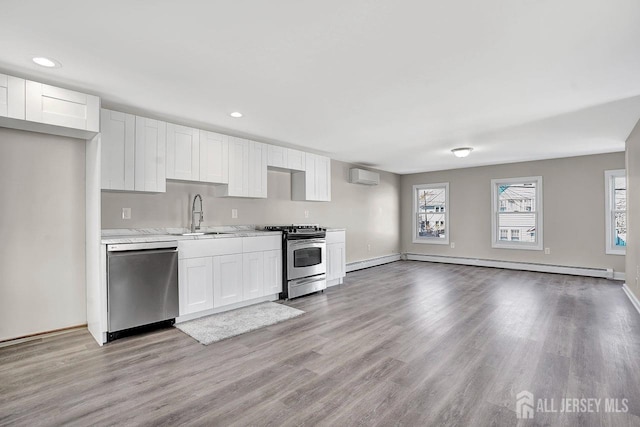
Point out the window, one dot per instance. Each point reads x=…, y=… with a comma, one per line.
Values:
x=616, y=211
x=431, y=213
x=516, y=222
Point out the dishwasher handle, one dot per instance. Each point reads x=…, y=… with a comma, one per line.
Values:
x=141, y=252
x=124, y=247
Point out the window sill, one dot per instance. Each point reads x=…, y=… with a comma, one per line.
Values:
x=498, y=245
x=622, y=252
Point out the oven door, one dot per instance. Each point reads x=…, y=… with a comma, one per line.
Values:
x=306, y=257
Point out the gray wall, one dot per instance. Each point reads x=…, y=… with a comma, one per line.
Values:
x=574, y=221
x=633, y=210
x=42, y=211
x=370, y=214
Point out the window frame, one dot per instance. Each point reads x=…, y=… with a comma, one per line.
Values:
x=414, y=220
x=496, y=243
x=609, y=211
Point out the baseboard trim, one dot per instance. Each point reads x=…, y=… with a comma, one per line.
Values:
x=619, y=276
x=40, y=335
x=373, y=262
x=605, y=273
x=631, y=297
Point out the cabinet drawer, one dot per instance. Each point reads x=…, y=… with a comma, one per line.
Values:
x=261, y=243
x=336, y=237
x=209, y=247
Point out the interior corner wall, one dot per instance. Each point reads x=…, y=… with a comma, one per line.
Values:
x=633, y=210
x=574, y=211
x=42, y=218
x=371, y=214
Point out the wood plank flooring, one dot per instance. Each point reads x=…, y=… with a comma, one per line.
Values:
x=408, y=343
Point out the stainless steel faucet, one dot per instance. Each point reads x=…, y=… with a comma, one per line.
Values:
x=200, y=213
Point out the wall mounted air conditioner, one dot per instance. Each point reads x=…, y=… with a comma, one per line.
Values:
x=361, y=176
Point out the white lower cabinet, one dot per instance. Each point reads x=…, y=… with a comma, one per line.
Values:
x=215, y=273
x=227, y=279
x=272, y=272
x=252, y=275
x=196, y=290
x=336, y=257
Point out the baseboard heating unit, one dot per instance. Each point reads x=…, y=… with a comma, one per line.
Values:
x=359, y=265
x=606, y=273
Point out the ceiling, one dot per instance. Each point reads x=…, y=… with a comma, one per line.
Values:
x=390, y=84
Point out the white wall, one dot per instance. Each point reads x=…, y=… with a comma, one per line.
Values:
x=633, y=210
x=574, y=211
x=42, y=223
x=371, y=214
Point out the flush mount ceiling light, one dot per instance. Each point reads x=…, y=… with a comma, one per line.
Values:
x=236, y=114
x=462, y=151
x=43, y=61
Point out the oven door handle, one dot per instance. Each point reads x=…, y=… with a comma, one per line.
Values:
x=306, y=242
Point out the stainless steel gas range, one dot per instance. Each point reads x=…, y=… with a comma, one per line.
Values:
x=304, y=249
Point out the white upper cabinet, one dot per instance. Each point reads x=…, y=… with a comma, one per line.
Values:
x=183, y=153
x=285, y=158
x=277, y=156
x=247, y=170
x=257, y=169
x=296, y=159
x=214, y=157
x=150, y=155
x=118, y=150
x=12, y=97
x=314, y=184
x=62, y=107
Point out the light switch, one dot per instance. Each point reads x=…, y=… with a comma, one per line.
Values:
x=234, y=213
x=126, y=213
x=306, y=213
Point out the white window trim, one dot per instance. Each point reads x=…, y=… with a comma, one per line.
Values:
x=495, y=210
x=610, y=248
x=414, y=215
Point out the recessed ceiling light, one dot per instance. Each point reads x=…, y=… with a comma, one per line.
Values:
x=43, y=61
x=236, y=114
x=462, y=151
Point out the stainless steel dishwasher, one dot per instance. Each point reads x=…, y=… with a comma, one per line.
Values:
x=142, y=285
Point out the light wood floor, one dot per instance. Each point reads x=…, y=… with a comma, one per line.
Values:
x=408, y=343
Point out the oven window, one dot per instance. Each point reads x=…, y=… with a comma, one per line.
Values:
x=307, y=257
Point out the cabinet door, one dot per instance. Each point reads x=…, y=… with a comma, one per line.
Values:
x=227, y=280
x=257, y=169
x=272, y=272
x=195, y=284
x=12, y=97
x=323, y=178
x=183, y=153
x=238, y=167
x=252, y=275
x=118, y=150
x=150, y=154
x=295, y=159
x=62, y=107
x=277, y=156
x=214, y=157
x=336, y=261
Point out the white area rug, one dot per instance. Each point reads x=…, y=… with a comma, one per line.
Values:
x=219, y=326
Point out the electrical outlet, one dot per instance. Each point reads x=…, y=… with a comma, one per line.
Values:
x=306, y=213
x=547, y=251
x=234, y=213
x=453, y=245
x=126, y=213
x=369, y=248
